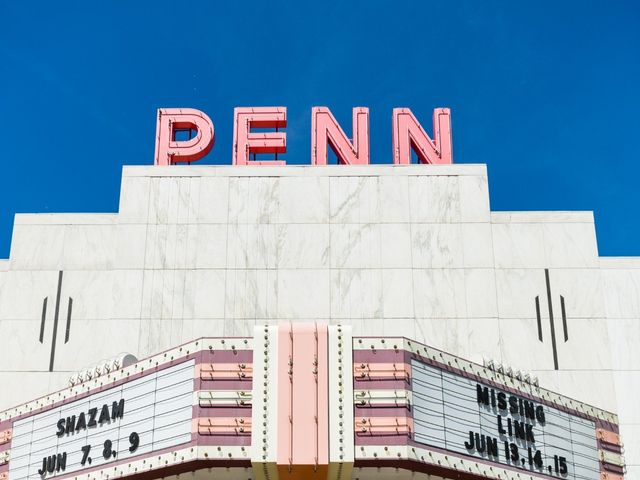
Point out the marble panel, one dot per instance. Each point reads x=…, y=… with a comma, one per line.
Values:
x=434, y=199
x=627, y=388
x=18, y=388
x=254, y=199
x=581, y=289
x=439, y=293
x=130, y=246
x=474, y=339
x=365, y=327
x=517, y=290
x=397, y=293
x=156, y=335
x=90, y=291
x=570, y=244
x=477, y=245
x=163, y=293
x=126, y=294
x=250, y=294
x=21, y=348
x=436, y=245
x=474, y=198
x=593, y=387
x=213, y=200
x=252, y=245
x=186, y=200
x=469, y=339
x=395, y=245
x=480, y=288
x=164, y=200
x=302, y=245
x=355, y=245
x=205, y=293
x=24, y=291
x=93, y=341
x=240, y=327
x=520, y=346
x=624, y=338
x=303, y=294
x=433, y=332
x=89, y=247
x=393, y=198
x=587, y=346
x=158, y=249
x=622, y=292
x=37, y=247
x=210, y=245
x=303, y=200
x=170, y=246
x=356, y=293
x=354, y=200
x=519, y=245
x=202, y=327
x=134, y=200
x=399, y=327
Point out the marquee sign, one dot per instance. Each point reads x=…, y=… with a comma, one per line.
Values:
x=323, y=404
x=142, y=416
x=475, y=419
x=433, y=412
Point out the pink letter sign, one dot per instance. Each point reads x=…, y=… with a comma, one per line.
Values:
x=168, y=150
x=408, y=134
x=245, y=143
x=326, y=131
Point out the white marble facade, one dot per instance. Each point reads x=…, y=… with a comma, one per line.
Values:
x=392, y=250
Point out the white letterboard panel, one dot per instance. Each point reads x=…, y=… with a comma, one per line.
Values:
x=451, y=413
x=144, y=415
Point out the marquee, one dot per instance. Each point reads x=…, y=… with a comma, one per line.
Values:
x=307, y=401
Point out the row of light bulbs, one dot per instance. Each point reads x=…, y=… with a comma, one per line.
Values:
x=103, y=367
x=510, y=372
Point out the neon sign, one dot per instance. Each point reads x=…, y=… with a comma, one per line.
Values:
x=326, y=133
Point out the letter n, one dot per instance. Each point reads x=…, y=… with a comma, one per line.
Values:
x=325, y=132
x=169, y=151
x=408, y=134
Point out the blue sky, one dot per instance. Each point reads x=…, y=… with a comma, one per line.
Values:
x=545, y=93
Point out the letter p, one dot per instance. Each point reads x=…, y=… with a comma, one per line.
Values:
x=169, y=151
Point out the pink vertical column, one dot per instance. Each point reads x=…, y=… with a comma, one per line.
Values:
x=303, y=410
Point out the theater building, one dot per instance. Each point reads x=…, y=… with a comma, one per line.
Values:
x=321, y=321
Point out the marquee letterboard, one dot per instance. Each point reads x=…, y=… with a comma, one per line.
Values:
x=458, y=414
x=144, y=415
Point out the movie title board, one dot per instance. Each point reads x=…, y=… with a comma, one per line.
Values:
x=463, y=416
x=139, y=417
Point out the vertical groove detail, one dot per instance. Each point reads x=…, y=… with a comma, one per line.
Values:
x=44, y=318
x=68, y=329
x=539, y=318
x=55, y=322
x=564, y=319
x=553, y=329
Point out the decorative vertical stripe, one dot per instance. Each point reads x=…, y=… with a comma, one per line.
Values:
x=564, y=319
x=55, y=322
x=44, y=318
x=539, y=318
